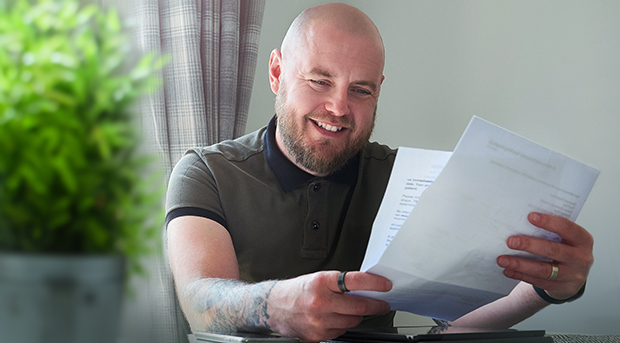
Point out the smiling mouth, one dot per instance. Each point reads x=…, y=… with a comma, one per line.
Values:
x=328, y=127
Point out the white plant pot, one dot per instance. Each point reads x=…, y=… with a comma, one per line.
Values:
x=60, y=298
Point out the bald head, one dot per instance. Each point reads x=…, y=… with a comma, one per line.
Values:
x=337, y=16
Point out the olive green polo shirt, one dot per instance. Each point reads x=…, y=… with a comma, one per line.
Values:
x=283, y=221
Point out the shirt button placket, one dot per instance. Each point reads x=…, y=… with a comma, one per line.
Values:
x=315, y=224
x=315, y=231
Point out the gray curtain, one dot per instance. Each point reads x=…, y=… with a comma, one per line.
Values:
x=212, y=47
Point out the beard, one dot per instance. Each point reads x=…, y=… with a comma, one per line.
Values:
x=321, y=157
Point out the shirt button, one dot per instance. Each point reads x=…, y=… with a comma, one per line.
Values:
x=317, y=187
x=316, y=225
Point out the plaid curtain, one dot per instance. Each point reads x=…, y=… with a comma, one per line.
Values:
x=212, y=48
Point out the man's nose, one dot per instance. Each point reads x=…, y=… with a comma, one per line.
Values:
x=338, y=102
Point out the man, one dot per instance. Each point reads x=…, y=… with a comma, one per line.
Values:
x=259, y=228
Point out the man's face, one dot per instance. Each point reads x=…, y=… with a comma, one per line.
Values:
x=326, y=99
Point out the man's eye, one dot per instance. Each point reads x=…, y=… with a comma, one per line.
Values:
x=362, y=91
x=319, y=82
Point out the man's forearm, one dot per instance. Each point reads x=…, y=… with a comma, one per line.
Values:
x=519, y=305
x=226, y=305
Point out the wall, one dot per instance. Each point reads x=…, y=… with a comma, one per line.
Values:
x=547, y=70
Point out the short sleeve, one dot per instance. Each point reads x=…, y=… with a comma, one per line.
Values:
x=192, y=190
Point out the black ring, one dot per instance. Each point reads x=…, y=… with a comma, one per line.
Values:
x=341, y=285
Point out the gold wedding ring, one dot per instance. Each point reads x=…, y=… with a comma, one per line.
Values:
x=554, y=272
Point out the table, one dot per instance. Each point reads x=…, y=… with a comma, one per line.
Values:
x=577, y=338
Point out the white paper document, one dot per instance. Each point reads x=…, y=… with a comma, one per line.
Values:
x=442, y=257
x=417, y=169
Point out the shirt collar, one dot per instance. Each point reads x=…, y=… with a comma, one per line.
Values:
x=290, y=176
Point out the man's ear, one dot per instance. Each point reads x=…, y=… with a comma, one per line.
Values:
x=275, y=70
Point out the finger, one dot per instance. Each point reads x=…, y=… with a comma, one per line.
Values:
x=543, y=247
x=556, y=289
x=360, y=281
x=353, y=305
x=362, y=306
x=532, y=270
x=535, y=273
x=578, y=258
x=337, y=320
x=533, y=280
x=571, y=233
x=570, y=278
x=357, y=306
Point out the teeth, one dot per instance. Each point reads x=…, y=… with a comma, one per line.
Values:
x=329, y=127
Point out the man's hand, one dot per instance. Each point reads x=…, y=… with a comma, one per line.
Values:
x=573, y=257
x=312, y=308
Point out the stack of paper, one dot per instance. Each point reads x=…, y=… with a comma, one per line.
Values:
x=440, y=247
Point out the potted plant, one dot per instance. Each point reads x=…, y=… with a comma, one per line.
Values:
x=76, y=193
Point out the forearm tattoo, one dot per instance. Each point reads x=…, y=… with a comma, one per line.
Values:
x=442, y=326
x=227, y=306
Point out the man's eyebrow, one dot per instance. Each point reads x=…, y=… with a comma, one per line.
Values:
x=325, y=73
x=321, y=72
